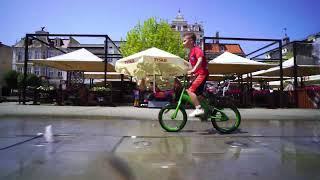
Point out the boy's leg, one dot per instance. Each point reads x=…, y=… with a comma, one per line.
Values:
x=194, y=98
x=197, y=83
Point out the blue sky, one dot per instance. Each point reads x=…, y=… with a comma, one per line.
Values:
x=233, y=18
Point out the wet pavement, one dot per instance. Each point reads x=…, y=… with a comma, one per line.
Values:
x=140, y=149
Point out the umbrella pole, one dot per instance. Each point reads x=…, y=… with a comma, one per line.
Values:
x=154, y=83
x=251, y=90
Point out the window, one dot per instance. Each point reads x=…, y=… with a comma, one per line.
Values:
x=57, y=42
x=44, y=55
x=19, y=56
x=37, y=71
x=43, y=71
x=20, y=69
x=37, y=55
x=29, y=70
x=185, y=27
x=59, y=73
x=51, y=72
x=30, y=55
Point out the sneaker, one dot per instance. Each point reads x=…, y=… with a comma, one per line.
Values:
x=196, y=112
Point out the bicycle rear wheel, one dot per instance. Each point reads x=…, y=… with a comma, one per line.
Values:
x=226, y=119
x=169, y=123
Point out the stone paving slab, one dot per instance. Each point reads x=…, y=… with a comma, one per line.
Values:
x=129, y=112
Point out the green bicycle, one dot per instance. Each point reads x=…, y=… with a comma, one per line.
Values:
x=224, y=115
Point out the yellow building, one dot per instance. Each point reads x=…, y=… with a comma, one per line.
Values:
x=5, y=63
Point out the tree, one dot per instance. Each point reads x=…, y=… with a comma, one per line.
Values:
x=11, y=79
x=31, y=80
x=288, y=55
x=153, y=34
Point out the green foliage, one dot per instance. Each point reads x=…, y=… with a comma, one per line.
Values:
x=11, y=79
x=153, y=33
x=288, y=55
x=31, y=80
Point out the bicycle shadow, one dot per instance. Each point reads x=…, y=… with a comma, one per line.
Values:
x=188, y=131
x=213, y=131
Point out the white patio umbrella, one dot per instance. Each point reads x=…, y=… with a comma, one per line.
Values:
x=264, y=78
x=79, y=60
x=216, y=77
x=100, y=75
x=154, y=62
x=288, y=67
x=228, y=63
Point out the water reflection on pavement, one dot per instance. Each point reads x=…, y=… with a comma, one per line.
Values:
x=140, y=149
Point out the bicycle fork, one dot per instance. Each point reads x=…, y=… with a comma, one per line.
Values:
x=220, y=115
x=183, y=98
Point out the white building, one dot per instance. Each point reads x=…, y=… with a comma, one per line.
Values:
x=98, y=50
x=38, y=50
x=181, y=25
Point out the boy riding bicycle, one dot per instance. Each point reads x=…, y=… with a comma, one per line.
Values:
x=199, y=70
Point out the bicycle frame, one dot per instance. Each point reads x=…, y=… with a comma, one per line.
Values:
x=185, y=98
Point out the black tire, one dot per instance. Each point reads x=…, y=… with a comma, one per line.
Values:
x=165, y=120
x=234, y=118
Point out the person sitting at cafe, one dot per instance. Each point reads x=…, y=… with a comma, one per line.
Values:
x=158, y=94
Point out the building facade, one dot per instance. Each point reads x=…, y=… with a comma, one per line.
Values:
x=38, y=50
x=181, y=25
x=5, y=63
x=98, y=49
x=307, y=53
x=287, y=50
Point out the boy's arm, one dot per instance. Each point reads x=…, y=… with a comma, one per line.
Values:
x=196, y=66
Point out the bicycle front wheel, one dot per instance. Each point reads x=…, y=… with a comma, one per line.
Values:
x=169, y=122
x=226, y=119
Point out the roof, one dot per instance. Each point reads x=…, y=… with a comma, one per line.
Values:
x=179, y=18
x=221, y=47
x=229, y=63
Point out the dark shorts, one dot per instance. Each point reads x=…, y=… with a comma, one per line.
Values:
x=197, y=86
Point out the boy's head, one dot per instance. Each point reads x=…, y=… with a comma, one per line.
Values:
x=189, y=39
